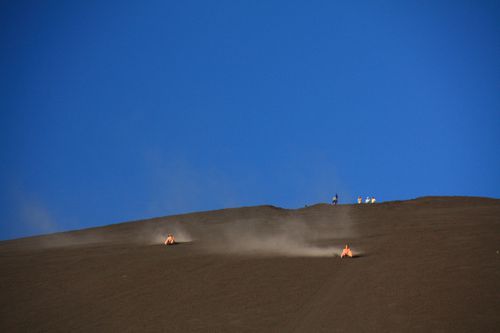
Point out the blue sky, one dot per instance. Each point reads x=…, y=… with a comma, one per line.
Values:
x=121, y=110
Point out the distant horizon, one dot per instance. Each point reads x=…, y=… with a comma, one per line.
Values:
x=241, y=207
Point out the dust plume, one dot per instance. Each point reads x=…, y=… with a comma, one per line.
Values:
x=157, y=235
x=298, y=237
x=69, y=239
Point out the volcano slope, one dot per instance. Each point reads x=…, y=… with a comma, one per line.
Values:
x=430, y=264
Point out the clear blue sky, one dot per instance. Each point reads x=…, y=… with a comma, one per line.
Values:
x=122, y=110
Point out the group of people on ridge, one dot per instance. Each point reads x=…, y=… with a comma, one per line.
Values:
x=367, y=200
x=335, y=200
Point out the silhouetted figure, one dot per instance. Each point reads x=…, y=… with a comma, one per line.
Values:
x=335, y=199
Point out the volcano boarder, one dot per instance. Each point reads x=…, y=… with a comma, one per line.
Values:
x=170, y=240
x=346, y=252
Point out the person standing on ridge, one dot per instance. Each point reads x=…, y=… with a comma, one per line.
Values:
x=360, y=200
x=335, y=199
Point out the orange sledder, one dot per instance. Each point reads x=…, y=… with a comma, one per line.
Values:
x=170, y=240
x=346, y=252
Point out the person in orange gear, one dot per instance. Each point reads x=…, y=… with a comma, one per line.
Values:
x=346, y=252
x=170, y=240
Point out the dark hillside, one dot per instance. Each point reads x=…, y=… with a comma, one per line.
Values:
x=430, y=264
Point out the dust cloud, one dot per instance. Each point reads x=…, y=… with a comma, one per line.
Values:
x=281, y=237
x=157, y=235
x=303, y=234
x=67, y=240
